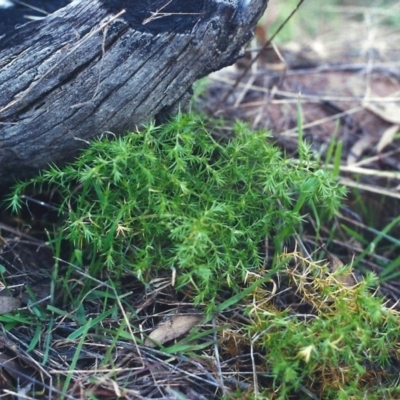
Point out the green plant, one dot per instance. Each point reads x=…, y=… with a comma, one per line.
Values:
x=172, y=197
x=338, y=341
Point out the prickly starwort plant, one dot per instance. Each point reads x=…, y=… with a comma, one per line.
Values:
x=333, y=338
x=172, y=197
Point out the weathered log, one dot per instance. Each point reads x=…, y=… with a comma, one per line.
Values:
x=99, y=66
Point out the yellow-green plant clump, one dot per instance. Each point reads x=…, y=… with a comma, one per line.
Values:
x=321, y=334
x=172, y=196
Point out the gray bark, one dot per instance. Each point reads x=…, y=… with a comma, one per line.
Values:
x=90, y=68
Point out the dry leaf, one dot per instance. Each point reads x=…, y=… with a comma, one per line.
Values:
x=172, y=329
x=357, y=150
x=10, y=364
x=8, y=304
x=335, y=264
x=15, y=370
x=387, y=137
x=389, y=112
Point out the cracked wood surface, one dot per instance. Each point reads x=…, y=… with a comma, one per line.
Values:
x=99, y=66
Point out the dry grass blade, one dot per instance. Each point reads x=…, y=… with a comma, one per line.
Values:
x=23, y=3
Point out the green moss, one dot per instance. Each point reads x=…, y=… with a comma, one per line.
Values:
x=345, y=346
x=173, y=197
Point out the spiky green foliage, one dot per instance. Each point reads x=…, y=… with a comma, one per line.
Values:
x=343, y=344
x=173, y=197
